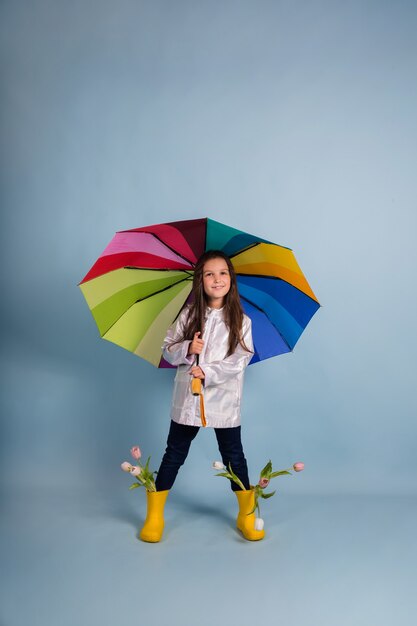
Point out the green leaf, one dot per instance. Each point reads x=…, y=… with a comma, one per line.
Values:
x=135, y=486
x=265, y=496
x=253, y=510
x=235, y=478
x=266, y=470
x=279, y=473
x=224, y=474
x=256, y=504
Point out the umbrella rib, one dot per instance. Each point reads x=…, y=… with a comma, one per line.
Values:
x=205, y=234
x=156, y=269
x=282, y=280
x=146, y=297
x=155, y=293
x=252, y=245
x=257, y=243
x=163, y=243
x=262, y=311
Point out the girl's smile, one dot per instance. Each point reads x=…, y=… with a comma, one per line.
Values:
x=216, y=282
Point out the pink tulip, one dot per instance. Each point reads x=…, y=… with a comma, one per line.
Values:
x=126, y=467
x=298, y=467
x=264, y=482
x=136, y=470
x=135, y=452
x=259, y=523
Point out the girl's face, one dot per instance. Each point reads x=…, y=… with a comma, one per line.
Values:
x=216, y=281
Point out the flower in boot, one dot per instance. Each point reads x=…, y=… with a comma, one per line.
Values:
x=263, y=482
x=136, y=470
x=259, y=523
x=126, y=467
x=135, y=452
x=218, y=465
x=298, y=467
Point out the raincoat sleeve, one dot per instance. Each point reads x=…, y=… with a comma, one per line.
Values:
x=219, y=372
x=176, y=353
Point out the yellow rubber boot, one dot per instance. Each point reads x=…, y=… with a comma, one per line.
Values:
x=245, y=522
x=154, y=524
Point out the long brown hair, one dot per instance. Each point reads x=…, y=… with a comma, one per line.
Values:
x=233, y=312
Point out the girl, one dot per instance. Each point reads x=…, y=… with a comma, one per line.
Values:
x=211, y=341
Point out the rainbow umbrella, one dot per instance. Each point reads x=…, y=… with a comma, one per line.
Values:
x=139, y=284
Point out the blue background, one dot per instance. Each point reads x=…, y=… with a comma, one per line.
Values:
x=294, y=121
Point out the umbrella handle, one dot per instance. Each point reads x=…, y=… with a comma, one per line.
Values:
x=197, y=390
x=196, y=387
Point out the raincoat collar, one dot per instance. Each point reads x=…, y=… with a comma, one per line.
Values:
x=212, y=310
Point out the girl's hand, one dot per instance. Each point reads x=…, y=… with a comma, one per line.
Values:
x=197, y=372
x=196, y=346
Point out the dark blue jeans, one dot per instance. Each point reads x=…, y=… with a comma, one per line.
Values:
x=178, y=445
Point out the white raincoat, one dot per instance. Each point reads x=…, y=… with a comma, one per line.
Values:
x=223, y=376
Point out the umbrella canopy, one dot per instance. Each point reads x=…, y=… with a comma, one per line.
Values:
x=139, y=284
